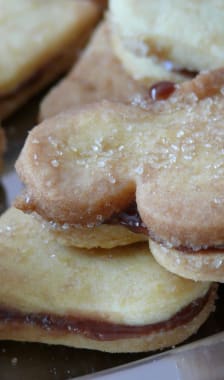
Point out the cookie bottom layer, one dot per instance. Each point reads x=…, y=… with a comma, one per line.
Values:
x=205, y=265
x=25, y=327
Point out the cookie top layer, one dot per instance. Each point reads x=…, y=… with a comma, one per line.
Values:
x=32, y=32
x=81, y=167
x=61, y=280
x=189, y=34
x=144, y=68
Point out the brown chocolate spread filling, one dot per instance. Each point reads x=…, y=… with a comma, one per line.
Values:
x=98, y=329
x=131, y=219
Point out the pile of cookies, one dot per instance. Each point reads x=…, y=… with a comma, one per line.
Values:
x=116, y=243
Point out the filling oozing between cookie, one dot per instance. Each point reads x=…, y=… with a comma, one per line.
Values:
x=131, y=219
x=99, y=329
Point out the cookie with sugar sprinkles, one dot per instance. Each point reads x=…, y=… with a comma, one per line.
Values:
x=60, y=300
x=84, y=166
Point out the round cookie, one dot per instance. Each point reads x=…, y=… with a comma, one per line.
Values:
x=116, y=300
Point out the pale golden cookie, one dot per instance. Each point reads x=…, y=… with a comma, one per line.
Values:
x=117, y=300
x=147, y=70
x=39, y=41
x=186, y=35
x=204, y=265
x=97, y=75
x=81, y=167
x=102, y=236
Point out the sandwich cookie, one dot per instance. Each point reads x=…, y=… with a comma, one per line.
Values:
x=117, y=300
x=86, y=166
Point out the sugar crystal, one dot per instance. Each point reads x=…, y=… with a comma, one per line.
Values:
x=55, y=163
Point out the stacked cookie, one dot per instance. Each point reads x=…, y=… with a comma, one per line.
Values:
x=115, y=300
x=136, y=173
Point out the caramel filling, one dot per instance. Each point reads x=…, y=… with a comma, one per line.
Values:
x=161, y=90
x=99, y=329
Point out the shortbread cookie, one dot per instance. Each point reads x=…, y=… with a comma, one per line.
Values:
x=184, y=35
x=84, y=166
x=40, y=40
x=204, y=265
x=97, y=75
x=117, y=300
